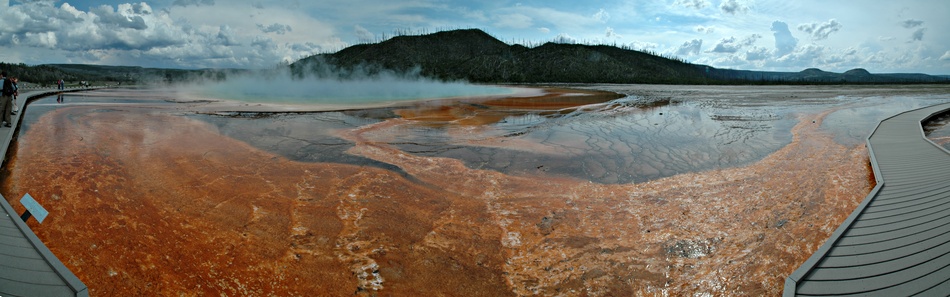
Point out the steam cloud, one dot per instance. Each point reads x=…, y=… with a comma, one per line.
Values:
x=324, y=86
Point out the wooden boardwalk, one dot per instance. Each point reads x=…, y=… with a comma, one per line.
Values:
x=27, y=267
x=897, y=242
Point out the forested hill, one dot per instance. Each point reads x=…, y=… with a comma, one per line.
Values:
x=35, y=74
x=476, y=56
x=48, y=74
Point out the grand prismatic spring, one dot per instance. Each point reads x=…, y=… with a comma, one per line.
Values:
x=583, y=190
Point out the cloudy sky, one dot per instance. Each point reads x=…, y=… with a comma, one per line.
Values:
x=879, y=35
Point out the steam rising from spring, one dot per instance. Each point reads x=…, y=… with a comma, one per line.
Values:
x=321, y=86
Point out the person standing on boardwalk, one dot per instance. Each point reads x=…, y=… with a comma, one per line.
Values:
x=16, y=92
x=6, y=99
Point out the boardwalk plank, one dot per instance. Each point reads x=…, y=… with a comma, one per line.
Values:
x=892, y=282
x=929, y=238
x=894, y=216
x=875, y=264
x=897, y=234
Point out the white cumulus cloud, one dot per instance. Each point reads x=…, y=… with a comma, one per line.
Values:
x=185, y=3
x=705, y=29
x=807, y=56
x=276, y=28
x=945, y=57
x=697, y=4
x=918, y=34
x=363, y=34
x=784, y=41
x=611, y=34
x=732, y=44
x=819, y=31
x=644, y=46
x=514, y=20
x=602, y=15
x=691, y=47
x=758, y=54
x=733, y=7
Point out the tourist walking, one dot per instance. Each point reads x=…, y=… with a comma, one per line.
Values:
x=6, y=99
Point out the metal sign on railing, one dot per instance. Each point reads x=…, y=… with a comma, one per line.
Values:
x=32, y=208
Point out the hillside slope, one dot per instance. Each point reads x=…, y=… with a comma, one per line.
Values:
x=476, y=56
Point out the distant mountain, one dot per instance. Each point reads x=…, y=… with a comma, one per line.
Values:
x=814, y=75
x=476, y=56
